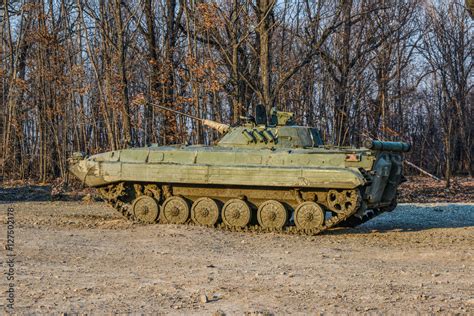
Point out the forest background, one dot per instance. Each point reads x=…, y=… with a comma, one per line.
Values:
x=79, y=75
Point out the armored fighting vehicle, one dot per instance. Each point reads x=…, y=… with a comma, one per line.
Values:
x=263, y=176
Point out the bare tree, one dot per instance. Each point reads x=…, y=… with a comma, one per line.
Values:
x=448, y=50
x=85, y=75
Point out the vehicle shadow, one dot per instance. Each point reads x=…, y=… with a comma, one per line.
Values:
x=34, y=193
x=416, y=217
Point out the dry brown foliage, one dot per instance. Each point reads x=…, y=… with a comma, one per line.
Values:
x=420, y=189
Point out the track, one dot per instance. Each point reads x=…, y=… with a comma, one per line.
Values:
x=355, y=220
x=122, y=196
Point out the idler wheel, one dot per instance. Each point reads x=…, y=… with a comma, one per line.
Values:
x=309, y=215
x=272, y=214
x=343, y=201
x=146, y=209
x=236, y=213
x=176, y=210
x=205, y=211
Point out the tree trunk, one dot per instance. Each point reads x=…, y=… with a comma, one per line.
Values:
x=155, y=71
x=265, y=14
x=170, y=128
x=121, y=50
x=341, y=103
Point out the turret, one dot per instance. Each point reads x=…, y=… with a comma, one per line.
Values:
x=279, y=131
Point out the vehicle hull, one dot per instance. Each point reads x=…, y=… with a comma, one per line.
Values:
x=343, y=180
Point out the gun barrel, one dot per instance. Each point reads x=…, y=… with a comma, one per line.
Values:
x=220, y=127
x=177, y=112
x=387, y=146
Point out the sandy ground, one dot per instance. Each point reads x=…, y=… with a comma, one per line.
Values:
x=75, y=257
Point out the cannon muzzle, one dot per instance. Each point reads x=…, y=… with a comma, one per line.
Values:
x=387, y=146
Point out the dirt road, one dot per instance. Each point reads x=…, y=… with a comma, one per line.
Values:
x=79, y=257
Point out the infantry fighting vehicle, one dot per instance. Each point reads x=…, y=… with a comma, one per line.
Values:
x=273, y=176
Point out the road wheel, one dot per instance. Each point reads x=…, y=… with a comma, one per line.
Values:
x=205, y=211
x=146, y=209
x=236, y=213
x=309, y=216
x=176, y=210
x=272, y=214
